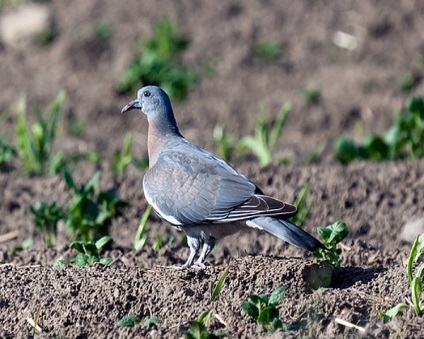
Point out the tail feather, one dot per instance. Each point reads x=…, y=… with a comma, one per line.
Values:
x=287, y=231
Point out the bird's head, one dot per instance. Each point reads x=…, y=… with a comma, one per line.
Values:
x=151, y=100
x=155, y=103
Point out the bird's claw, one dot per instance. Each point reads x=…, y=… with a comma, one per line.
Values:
x=199, y=266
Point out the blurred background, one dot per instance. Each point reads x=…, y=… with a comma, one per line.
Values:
x=345, y=67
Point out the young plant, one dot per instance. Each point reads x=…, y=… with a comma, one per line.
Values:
x=198, y=328
x=152, y=321
x=103, y=30
x=159, y=63
x=216, y=288
x=303, y=206
x=266, y=136
x=311, y=96
x=89, y=217
x=128, y=321
x=35, y=143
x=263, y=309
x=46, y=218
x=88, y=253
x=267, y=50
x=121, y=159
x=158, y=243
x=224, y=143
x=7, y=154
x=141, y=235
x=415, y=278
x=331, y=235
x=403, y=140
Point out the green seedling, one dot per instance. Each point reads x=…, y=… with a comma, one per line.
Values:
x=90, y=214
x=331, y=236
x=88, y=253
x=46, y=37
x=198, y=328
x=150, y=322
x=393, y=312
x=267, y=49
x=47, y=217
x=266, y=136
x=303, y=206
x=142, y=231
x=415, y=278
x=103, y=30
x=403, y=140
x=159, y=63
x=263, y=309
x=158, y=243
x=311, y=96
x=7, y=154
x=122, y=159
x=216, y=288
x=128, y=321
x=224, y=143
x=35, y=143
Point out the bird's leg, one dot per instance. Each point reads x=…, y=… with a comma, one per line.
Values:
x=208, y=245
x=194, y=244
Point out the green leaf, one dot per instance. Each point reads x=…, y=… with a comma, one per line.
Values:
x=128, y=321
x=259, y=299
x=346, y=151
x=78, y=246
x=60, y=264
x=196, y=330
x=416, y=295
x=153, y=321
x=69, y=181
x=417, y=250
x=105, y=261
x=377, y=148
x=205, y=317
x=139, y=244
x=81, y=259
x=141, y=237
x=250, y=309
x=416, y=106
x=103, y=241
x=93, y=184
x=276, y=295
x=217, y=287
x=393, y=312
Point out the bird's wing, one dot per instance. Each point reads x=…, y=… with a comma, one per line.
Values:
x=194, y=187
x=258, y=205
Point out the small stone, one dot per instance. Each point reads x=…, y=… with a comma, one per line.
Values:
x=20, y=25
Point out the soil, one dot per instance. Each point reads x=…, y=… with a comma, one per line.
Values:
x=360, y=92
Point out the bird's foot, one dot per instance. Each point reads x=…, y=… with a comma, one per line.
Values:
x=199, y=265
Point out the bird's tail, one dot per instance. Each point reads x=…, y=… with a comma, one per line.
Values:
x=287, y=231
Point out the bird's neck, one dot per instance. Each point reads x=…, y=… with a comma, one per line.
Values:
x=160, y=138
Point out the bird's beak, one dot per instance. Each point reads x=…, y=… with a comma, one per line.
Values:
x=135, y=104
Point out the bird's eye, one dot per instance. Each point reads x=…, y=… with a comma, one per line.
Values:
x=147, y=94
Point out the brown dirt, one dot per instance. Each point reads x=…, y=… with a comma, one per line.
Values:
x=360, y=93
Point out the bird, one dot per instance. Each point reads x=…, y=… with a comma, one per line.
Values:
x=199, y=193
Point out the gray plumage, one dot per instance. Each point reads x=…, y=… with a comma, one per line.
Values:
x=201, y=194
